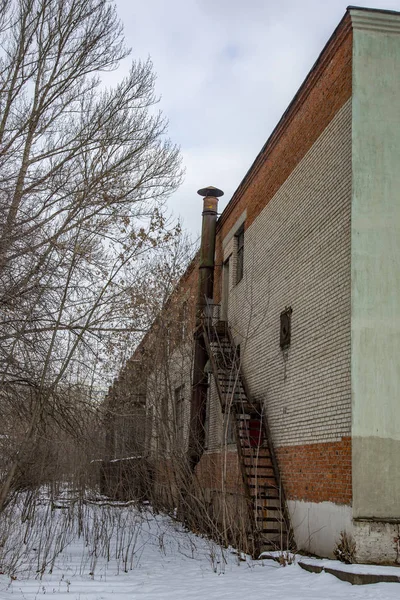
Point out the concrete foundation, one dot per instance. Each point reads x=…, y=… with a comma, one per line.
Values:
x=377, y=542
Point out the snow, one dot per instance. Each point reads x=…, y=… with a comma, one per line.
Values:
x=151, y=557
x=114, y=460
x=362, y=569
x=337, y=565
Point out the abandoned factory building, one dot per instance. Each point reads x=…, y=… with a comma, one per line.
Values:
x=275, y=366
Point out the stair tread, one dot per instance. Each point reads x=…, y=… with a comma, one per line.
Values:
x=253, y=485
x=267, y=497
x=254, y=472
x=273, y=531
x=252, y=448
x=258, y=466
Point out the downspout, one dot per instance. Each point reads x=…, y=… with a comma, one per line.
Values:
x=204, y=298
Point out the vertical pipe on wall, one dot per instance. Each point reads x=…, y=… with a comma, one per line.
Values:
x=204, y=301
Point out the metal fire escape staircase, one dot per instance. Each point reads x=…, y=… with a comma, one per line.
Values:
x=268, y=515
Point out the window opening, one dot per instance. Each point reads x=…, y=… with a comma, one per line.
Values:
x=239, y=254
x=225, y=289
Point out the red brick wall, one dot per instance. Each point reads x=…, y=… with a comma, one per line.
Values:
x=317, y=472
x=313, y=472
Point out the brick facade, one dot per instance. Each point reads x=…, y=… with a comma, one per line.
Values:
x=295, y=205
x=317, y=472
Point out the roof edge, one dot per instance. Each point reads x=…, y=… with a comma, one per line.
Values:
x=374, y=10
x=383, y=21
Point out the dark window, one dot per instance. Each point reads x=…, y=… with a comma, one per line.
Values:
x=225, y=290
x=239, y=253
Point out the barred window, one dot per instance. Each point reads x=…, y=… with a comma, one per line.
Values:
x=239, y=254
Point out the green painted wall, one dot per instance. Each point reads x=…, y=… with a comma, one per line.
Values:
x=376, y=265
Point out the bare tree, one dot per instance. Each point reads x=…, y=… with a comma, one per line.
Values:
x=84, y=173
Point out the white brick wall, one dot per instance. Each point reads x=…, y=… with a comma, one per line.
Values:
x=297, y=253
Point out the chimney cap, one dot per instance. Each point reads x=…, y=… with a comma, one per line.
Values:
x=210, y=191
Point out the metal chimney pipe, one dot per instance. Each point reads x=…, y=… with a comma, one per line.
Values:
x=204, y=298
x=207, y=248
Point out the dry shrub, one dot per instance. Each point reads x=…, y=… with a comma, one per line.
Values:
x=345, y=550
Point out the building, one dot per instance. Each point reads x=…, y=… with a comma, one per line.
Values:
x=307, y=281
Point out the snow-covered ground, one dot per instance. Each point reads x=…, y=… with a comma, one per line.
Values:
x=122, y=553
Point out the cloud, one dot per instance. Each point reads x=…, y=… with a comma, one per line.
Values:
x=227, y=70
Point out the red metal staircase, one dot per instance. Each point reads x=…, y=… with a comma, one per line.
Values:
x=269, y=517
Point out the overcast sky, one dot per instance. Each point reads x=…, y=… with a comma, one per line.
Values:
x=227, y=69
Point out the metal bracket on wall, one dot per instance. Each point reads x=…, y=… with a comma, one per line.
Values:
x=286, y=328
